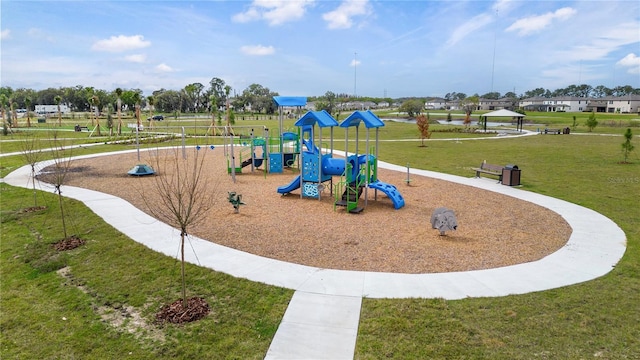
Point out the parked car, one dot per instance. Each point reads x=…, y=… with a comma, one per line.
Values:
x=156, y=118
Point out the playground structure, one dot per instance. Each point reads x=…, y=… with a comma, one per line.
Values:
x=272, y=153
x=276, y=153
x=357, y=172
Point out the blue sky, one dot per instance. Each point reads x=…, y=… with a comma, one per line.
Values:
x=307, y=47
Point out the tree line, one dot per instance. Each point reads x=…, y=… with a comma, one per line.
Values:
x=198, y=98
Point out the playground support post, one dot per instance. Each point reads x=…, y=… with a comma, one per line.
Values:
x=137, y=143
x=233, y=161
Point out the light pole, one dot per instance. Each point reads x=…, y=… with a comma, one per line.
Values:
x=355, y=66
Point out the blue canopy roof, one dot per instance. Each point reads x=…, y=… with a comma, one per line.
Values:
x=322, y=118
x=290, y=100
x=370, y=119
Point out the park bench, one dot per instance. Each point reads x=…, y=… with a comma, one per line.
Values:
x=556, y=131
x=489, y=169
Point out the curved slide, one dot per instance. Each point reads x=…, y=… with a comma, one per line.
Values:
x=391, y=191
x=295, y=184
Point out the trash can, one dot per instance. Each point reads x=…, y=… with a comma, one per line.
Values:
x=511, y=175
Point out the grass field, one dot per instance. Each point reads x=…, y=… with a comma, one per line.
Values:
x=49, y=316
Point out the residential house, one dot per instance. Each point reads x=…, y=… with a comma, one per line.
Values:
x=495, y=104
x=435, y=104
x=618, y=104
x=555, y=104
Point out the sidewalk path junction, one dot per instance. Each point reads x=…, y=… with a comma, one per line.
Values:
x=321, y=321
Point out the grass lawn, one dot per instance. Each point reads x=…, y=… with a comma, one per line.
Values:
x=47, y=315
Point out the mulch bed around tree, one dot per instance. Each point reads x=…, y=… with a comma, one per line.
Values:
x=68, y=243
x=33, y=209
x=175, y=313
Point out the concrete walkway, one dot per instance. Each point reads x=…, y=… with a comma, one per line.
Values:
x=322, y=319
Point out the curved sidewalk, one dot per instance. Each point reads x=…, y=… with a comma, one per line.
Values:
x=321, y=321
x=595, y=246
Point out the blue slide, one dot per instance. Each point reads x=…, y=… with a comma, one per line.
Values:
x=295, y=184
x=391, y=191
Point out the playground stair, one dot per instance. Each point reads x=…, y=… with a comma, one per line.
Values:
x=350, y=198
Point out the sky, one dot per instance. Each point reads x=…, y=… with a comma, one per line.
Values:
x=374, y=48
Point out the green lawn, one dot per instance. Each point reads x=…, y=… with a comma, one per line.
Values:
x=45, y=315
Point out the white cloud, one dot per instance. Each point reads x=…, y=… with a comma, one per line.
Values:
x=164, y=68
x=477, y=22
x=5, y=34
x=536, y=23
x=604, y=43
x=257, y=50
x=629, y=60
x=632, y=61
x=354, y=62
x=341, y=17
x=136, y=58
x=120, y=43
x=274, y=12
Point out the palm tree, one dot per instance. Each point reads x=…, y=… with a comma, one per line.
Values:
x=3, y=102
x=95, y=101
x=136, y=100
x=27, y=104
x=227, y=90
x=150, y=101
x=13, y=105
x=91, y=105
x=214, y=110
x=57, y=99
x=119, y=95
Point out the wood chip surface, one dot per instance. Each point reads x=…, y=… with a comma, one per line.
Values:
x=493, y=230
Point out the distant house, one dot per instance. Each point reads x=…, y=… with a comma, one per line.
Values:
x=610, y=104
x=555, y=104
x=617, y=104
x=435, y=104
x=495, y=104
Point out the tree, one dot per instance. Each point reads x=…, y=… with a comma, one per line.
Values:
x=136, y=99
x=423, y=126
x=27, y=104
x=591, y=121
x=491, y=95
x=95, y=102
x=412, y=107
x=13, y=106
x=227, y=90
x=469, y=105
x=58, y=99
x=61, y=165
x=185, y=199
x=214, y=110
x=627, y=146
x=216, y=89
x=150, y=101
x=119, y=103
x=4, y=100
x=30, y=149
x=110, y=119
